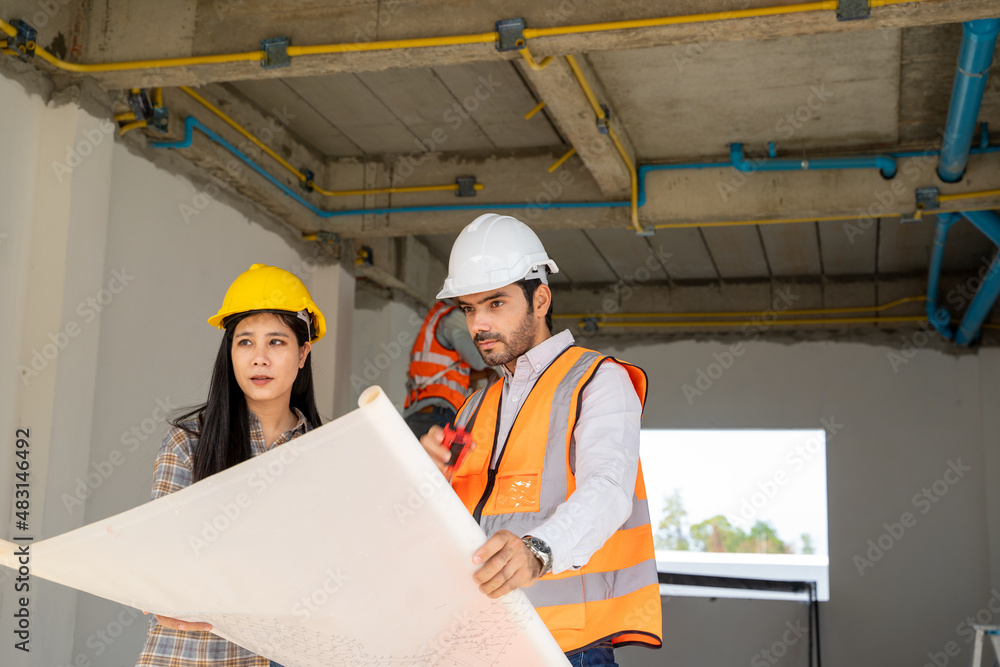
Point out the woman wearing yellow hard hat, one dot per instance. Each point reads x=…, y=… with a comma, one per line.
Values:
x=260, y=396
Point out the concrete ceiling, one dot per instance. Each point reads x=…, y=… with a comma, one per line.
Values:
x=813, y=85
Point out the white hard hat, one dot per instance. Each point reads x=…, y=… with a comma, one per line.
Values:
x=494, y=251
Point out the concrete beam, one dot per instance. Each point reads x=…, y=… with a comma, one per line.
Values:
x=523, y=180
x=568, y=107
x=608, y=307
x=113, y=33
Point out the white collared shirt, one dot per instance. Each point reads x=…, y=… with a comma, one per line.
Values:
x=607, y=453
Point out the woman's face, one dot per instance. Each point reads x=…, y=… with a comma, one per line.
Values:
x=266, y=359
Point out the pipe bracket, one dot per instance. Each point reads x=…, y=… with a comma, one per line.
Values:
x=927, y=199
x=510, y=34
x=143, y=108
x=275, y=53
x=604, y=124
x=852, y=10
x=466, y=186
x=309, y=184
x=24, y=41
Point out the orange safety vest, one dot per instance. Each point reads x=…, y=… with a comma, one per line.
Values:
x=615, y=597
x=436, y=371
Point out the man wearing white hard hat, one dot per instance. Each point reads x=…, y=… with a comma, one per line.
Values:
x=554, y=479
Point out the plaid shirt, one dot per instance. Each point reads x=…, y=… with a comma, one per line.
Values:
x=173, y=648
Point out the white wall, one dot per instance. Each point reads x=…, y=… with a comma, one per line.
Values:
x=384, y=332
x=96, y=410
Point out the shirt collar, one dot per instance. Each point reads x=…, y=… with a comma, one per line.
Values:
x=539, y=357
x=257, y=433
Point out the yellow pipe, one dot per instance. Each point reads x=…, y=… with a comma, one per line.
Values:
x=480, y=38
x=538, y=107
x=394, y=44
x=595, y=105
x=124, y=116
x=845, y=320
x=378, y=191
x=157, y=97
x=752, y=313
x=968, y=195
x=775, y=221
x=558, y=163
x=529, y=33
x=236, y=126
x=251, y=56
x=299, y=174
x=532, y=63
x=131, y=126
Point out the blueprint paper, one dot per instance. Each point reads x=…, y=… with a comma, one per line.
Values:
x=344, y=546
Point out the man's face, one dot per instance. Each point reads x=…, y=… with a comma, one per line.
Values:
x=501, y=323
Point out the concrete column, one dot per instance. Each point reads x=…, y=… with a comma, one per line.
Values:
x=56, y=262
x=332, y=288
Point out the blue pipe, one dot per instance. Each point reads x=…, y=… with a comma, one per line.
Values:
x=884, y=163
x=939, y=317
x=988, y=223
x=979, y=39
x=191, y=123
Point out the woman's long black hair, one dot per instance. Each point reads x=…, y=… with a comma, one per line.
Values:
x=224, y=433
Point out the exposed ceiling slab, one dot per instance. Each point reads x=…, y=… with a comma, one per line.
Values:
x=817, y=91
x=427, y=115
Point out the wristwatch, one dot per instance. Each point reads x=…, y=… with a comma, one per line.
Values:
x=541, y=551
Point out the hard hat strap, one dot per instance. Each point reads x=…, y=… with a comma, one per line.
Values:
x=539, y=272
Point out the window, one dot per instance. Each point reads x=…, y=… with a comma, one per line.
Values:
x=738, y=503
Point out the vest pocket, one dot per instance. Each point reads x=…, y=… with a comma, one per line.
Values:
x=518, y=492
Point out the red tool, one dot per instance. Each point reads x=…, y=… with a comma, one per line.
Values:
x=458, y=440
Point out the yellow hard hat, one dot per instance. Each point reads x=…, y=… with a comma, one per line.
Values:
x=269, y=288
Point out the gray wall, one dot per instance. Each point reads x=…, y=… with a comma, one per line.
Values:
x=897, y=431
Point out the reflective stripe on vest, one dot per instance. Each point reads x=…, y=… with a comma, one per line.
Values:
x=436, y=371
x=615, y=596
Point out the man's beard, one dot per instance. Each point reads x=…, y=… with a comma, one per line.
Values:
x=513, y=346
